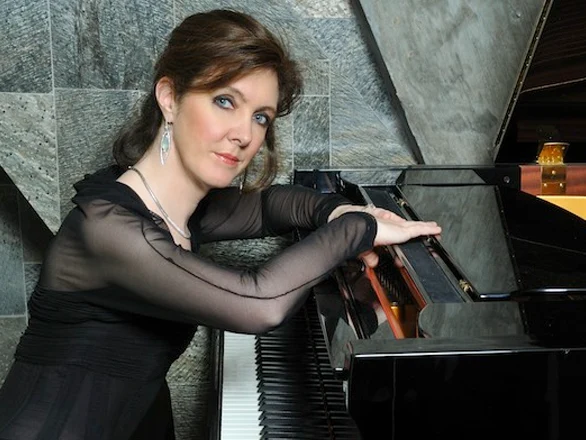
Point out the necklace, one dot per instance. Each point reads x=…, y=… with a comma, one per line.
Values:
x=163, y=212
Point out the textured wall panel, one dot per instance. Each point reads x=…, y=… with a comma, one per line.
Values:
x=323, y=8
x=11, y=262
x=316, y=77
x=85, y=133
x=453, y=64
x=31, y=277
x=25, y=64
x=108, y=45
x=311, y=134
x=365, y=129
x=362, y=141
x=28, y=151
x=284, y=135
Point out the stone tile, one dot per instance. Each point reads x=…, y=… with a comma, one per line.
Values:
x=322, y=8
x=28, y=151
x=11, y=264
x=10, y=331
x=25, y=64
x=366, y=126
x=276, y=15
x=244, y=254
x=190, y=410
x=192, y=367
x=35, y=234
x=267, y=11
x=108, y=45
x=284, y=136
x=85, y=133
x=311, y=133
x=358, y=136
x=344, y=45
x=300, y=42
x=316, y=77
x=31, y=276
x=189, y=383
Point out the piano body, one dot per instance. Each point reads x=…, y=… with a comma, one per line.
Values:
x=491, y=340
x=478, y=333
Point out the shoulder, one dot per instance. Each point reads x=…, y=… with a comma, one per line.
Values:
x=102, y=225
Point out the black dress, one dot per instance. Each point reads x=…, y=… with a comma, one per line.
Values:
x=117, y=302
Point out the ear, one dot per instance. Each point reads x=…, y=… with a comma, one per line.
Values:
x=165, y=95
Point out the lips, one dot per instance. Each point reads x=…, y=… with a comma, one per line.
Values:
x=228, y=159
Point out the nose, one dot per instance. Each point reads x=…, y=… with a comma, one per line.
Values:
x=241, y=133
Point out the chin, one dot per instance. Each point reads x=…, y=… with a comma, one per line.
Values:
x=221, y=183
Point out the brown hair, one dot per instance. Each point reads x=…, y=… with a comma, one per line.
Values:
x=207, y=51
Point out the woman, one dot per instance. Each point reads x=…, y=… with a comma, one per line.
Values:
x=123, y=289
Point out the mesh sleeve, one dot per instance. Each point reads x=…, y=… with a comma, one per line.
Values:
x=158, y=278
x=226, y=214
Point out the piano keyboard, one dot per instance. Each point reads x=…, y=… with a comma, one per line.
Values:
x=286, y=388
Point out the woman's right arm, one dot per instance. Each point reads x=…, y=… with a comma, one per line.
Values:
x=158, y=278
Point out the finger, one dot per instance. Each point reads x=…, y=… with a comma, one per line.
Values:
x=424, y=228
x=369, y=258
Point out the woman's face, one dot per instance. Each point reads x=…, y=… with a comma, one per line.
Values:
x=216, y=134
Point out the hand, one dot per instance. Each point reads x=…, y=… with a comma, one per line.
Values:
x=371, y=209
x=391, y=228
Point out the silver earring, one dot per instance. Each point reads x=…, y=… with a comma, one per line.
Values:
x=165, y=143
x=242, y=181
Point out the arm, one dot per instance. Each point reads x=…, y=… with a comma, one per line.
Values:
x=162, y=280
x=227, y=214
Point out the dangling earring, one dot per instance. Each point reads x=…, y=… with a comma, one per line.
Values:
x=165, y=143
x=242, y=181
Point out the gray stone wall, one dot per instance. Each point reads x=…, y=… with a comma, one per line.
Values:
x=452, y=65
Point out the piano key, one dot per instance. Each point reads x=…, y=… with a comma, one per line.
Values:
x=281, y=383
x=240, y=412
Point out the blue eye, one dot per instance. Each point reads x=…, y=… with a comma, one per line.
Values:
x=262, y=119
x=224, y=102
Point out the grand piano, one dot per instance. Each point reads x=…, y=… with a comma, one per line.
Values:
x=478, y=333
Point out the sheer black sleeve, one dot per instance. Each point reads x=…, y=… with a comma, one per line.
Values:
x=133, y=265
x=226, y=214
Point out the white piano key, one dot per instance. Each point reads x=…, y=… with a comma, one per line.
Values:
x=240, y=414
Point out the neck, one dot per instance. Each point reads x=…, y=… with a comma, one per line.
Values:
x=172, y=188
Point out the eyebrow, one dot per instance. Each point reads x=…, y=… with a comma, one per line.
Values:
x=241, y=95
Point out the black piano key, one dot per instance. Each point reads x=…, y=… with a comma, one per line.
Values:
x=299, y=397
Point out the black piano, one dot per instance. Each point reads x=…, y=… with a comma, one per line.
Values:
x=492, y=336
x=479, y=333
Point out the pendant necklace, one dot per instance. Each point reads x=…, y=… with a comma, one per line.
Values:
x=181, y=232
